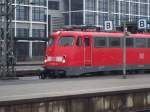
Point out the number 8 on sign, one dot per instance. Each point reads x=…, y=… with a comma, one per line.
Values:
x=108, y=25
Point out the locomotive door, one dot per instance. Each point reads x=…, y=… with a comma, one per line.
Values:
x=87, y=51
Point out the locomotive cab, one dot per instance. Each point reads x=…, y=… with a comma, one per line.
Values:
x=63, y=54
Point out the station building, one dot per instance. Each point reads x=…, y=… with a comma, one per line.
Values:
x=95, y=12
x=34, y=20
x=30, y=28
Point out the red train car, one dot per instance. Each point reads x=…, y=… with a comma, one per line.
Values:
x=76, y=52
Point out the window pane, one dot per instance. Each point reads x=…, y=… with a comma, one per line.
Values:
x=53, y=5
x=51, y=41
x=38, y=33
x=129, y=42
x=22, y=33
x=22, y=51
x=149, y=43
x=76, y=5
x=79, y=41
x=39, y=2
x=66, y=41
x=38, y=14
x=22, y=1
x=140, y=43
x=22, y=13
x=77, y=18
x=38, y=50
x=100, y=42
x=114, y=42
x=87, y=42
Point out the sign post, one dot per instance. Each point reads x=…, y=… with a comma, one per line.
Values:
x=124, y=51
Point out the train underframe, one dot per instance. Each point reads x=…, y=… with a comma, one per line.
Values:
x=53, y=72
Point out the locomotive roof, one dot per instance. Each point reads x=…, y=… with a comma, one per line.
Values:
x=105, y=34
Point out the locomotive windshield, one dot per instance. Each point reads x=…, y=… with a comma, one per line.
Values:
x=51, y=41
x=66, y=41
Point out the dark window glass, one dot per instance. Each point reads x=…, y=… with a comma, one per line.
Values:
x=51, y=41
x=90, y=5
x=39, y=33
x=90, y=18
x=22, y=1
x=22, y=13
x=114, y=42
x=39, y=2
x=100, y=42
x=103, y=5
x=79, y=41
x=129, y=42
x=66, y=18
x=149, y=43
x=53, y=5
x=38, y=14
x=66, y=5
x=66, y=41
x=38, y=50
x=22, y=51
x=134, y=8
x=87, y=42
x=22, y=32
x=140, y=43
x=77, y=18
x=76, y=5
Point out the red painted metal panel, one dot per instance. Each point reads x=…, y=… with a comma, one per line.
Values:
x=89, y=56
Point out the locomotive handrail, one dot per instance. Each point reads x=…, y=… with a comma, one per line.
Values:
x=81, y=28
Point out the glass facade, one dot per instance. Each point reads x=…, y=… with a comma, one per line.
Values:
x=95, y=12
x=30, y=28
x=38, y=33
x=38, y=14
x=38, y=50
x=22, y=51
x=22, y=1
x=22, y=33
x=22, y=13
x=39, y=2
x=53, y=5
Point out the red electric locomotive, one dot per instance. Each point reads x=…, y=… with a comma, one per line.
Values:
x=73, y=53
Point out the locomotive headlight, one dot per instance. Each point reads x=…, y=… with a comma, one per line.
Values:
x=45, y=61
x=64, y=60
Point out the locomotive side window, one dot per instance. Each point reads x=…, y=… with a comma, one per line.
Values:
x=140, y=43
x=66, y=41
x=115, y=42
x=129, y=42
x=148, y=43
x=100, y=42
x=87, y=42
x=79, y=41
x=51, y=41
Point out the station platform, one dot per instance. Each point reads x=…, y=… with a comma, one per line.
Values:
x=28, y=68
x=33, y=88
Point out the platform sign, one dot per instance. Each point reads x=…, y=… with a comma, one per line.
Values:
x=108, y=26
x=142, y=24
